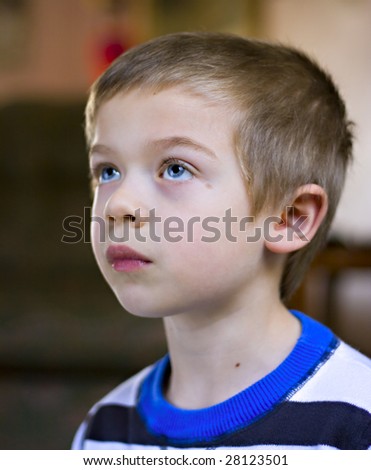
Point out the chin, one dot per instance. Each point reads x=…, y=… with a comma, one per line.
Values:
x=140, y=309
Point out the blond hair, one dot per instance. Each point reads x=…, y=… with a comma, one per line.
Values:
x=291, y=123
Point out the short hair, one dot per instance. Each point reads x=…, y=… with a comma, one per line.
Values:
x=291, y=126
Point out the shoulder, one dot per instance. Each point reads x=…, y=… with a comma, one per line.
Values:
x=344, y=377
x=126, y=393
x=335, y=400
x=122, y=397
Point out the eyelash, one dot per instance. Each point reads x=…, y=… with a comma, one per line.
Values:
x=174, y=161
x=95, y=171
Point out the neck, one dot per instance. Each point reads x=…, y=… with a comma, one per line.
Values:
x=214, y=355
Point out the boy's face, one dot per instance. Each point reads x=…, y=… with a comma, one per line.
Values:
x=171, y=154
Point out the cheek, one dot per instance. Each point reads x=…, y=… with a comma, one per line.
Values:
x=205, y=276
x=98, y=230
x=97, y=235
x=202, y=265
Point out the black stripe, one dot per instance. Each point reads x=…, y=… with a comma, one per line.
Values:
x=120, y=424
x=336, y=424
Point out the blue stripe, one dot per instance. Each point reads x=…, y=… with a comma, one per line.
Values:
x=313, y=347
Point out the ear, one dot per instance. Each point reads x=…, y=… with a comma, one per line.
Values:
x=299, y=221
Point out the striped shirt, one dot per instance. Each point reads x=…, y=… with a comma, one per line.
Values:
x=319, y=397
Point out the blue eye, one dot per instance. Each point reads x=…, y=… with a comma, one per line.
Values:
x=108, y=173
x=177, y=171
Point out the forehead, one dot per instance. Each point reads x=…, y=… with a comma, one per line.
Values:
x=164, y=100
x=146, y=114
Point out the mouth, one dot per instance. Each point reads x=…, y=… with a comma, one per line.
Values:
x=125, y=259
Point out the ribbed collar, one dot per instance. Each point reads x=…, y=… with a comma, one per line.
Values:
x=313, y=347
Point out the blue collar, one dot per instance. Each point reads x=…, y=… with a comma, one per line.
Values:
x=314, y=346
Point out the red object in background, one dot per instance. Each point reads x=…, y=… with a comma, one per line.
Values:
x=112, y=50
x=105, y=51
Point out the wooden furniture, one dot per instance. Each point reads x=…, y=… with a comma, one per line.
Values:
x=329, y=265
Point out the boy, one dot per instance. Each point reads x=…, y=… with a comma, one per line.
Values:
x=217, y=164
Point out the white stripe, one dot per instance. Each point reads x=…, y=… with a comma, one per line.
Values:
x=126, y=393
x=77, y=443
x=107, y=445
x=90, y=444
x=345, y=377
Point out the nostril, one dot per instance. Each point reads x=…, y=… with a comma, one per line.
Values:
x=129, y=217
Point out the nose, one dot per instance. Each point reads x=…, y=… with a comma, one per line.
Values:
x=126, y=204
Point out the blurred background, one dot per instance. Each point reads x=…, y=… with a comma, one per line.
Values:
x=64, y=339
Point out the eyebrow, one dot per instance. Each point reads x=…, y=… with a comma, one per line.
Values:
x=181, y=141
x=162, y=144
x=99, y=148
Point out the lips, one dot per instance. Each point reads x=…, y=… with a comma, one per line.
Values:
x=125, y=259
